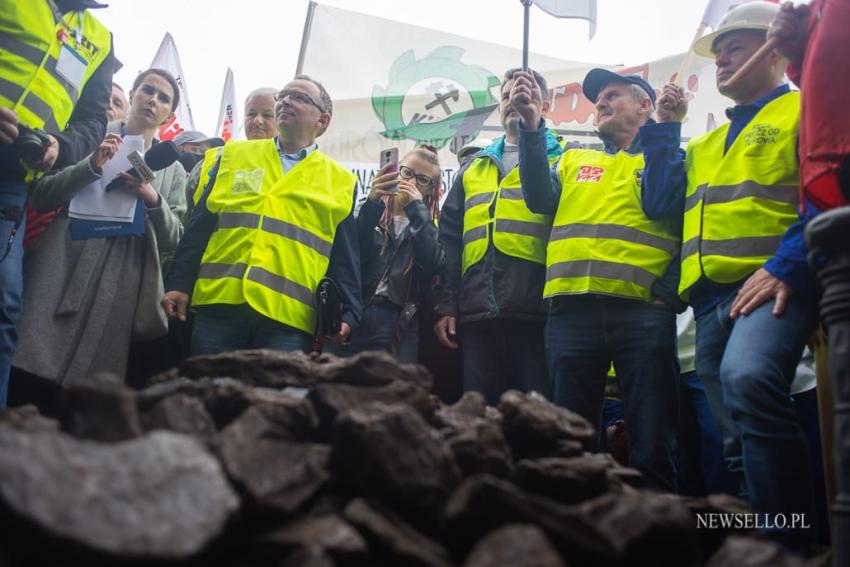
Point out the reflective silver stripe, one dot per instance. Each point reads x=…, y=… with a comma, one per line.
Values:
x=727, y=193
x=514, y=194
x=524, y=228
x=297, y=234
x=741, y=247
x=281, y=285
x=733, y=247
x=218, y=270
x=600, y=269
x=614, y=231
x=474, y=234
x=34, y=55
x=238, y=220
x=693, y=200
x=690, y=247
x=480, y=199
x=33, y=103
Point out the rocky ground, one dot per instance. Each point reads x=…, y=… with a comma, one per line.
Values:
x=262, y=458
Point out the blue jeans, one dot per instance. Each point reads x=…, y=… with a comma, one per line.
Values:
x=221, y=328
x=747, y=367
x=699, y=456
x=376, y=330
x=584, y=335
x=501, y=355
x=12, y=193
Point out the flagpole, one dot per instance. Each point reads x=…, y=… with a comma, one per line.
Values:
x=305, y=37
x=526, y=8
x=689, y=57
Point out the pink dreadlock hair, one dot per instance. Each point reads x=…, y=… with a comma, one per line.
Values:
x=427, y=153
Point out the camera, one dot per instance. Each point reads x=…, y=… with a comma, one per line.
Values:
x=31, y=144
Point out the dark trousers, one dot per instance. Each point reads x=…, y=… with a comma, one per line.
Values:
x=583, y=335
x=13, y=194
x=377, y=330
x=501, y=355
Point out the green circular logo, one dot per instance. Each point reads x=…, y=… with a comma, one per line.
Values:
x=436, y=123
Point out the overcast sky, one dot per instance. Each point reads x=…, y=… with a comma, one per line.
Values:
x=260, y=39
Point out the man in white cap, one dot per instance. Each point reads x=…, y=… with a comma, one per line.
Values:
x=744, y=267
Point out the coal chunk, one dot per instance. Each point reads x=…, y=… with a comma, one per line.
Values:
x=514, y=545
x=392, y=454
x=278, y=474
x=101, y=408
x=535, y=427
x=566, y=480
x=393, y=540
x=162, y=496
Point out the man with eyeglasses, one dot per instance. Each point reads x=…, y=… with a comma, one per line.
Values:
x=275, y=216
x=492, y=288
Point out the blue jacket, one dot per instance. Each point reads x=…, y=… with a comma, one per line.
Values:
x=663, y=190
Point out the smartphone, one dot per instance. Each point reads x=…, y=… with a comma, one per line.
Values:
x=389, y=156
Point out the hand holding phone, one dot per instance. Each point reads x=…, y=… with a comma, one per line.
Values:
x=386, y=181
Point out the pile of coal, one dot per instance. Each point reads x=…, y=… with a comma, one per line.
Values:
x=259, y=458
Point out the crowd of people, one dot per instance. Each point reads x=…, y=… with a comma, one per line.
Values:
x=678, y=277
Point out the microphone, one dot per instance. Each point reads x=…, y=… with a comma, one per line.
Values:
x=159, y=157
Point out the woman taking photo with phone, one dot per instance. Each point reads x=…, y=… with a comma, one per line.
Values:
x=399, y=254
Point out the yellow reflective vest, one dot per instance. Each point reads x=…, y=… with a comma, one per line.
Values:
x=30, y=52
x=210, y=159
x=739, y=204
x=275, y=231
x=601, y=240
x=516, y=231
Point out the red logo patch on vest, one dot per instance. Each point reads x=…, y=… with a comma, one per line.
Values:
x=590, y=173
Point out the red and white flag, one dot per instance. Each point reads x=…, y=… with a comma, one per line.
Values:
x=716, y=9
x=167, y=58
x=228, y=123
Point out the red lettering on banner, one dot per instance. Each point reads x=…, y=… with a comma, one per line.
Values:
x=570, y=105
x=590, y=173
x=170, y=129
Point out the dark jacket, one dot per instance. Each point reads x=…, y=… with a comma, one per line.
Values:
x=343, y=267
x=417, y=242
x=497, y=286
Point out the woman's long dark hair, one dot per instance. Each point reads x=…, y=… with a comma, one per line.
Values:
x=428, y=153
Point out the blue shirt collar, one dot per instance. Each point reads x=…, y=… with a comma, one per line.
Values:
x=297, y=156
x=760, y=103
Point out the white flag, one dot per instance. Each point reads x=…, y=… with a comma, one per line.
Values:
x=167, y=58
x=227, y=124
x=581, y=9
x=716, y=9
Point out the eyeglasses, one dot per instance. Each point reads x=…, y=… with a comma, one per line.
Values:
x=421, y=180
x=298, y=96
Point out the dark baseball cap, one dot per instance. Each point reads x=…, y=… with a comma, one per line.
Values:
x=597, y=79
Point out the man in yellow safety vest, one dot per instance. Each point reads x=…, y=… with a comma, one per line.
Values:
x=275, y=217
x=490, y=293
x=744, y=266
x=604, y=261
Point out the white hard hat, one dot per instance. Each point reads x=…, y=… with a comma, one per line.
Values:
x=748, y=16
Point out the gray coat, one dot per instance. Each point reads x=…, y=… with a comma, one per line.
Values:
x=85, y=300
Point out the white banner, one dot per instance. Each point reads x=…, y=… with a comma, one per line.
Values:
x=167, y=58
x=412, y=86
x=228, y=123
